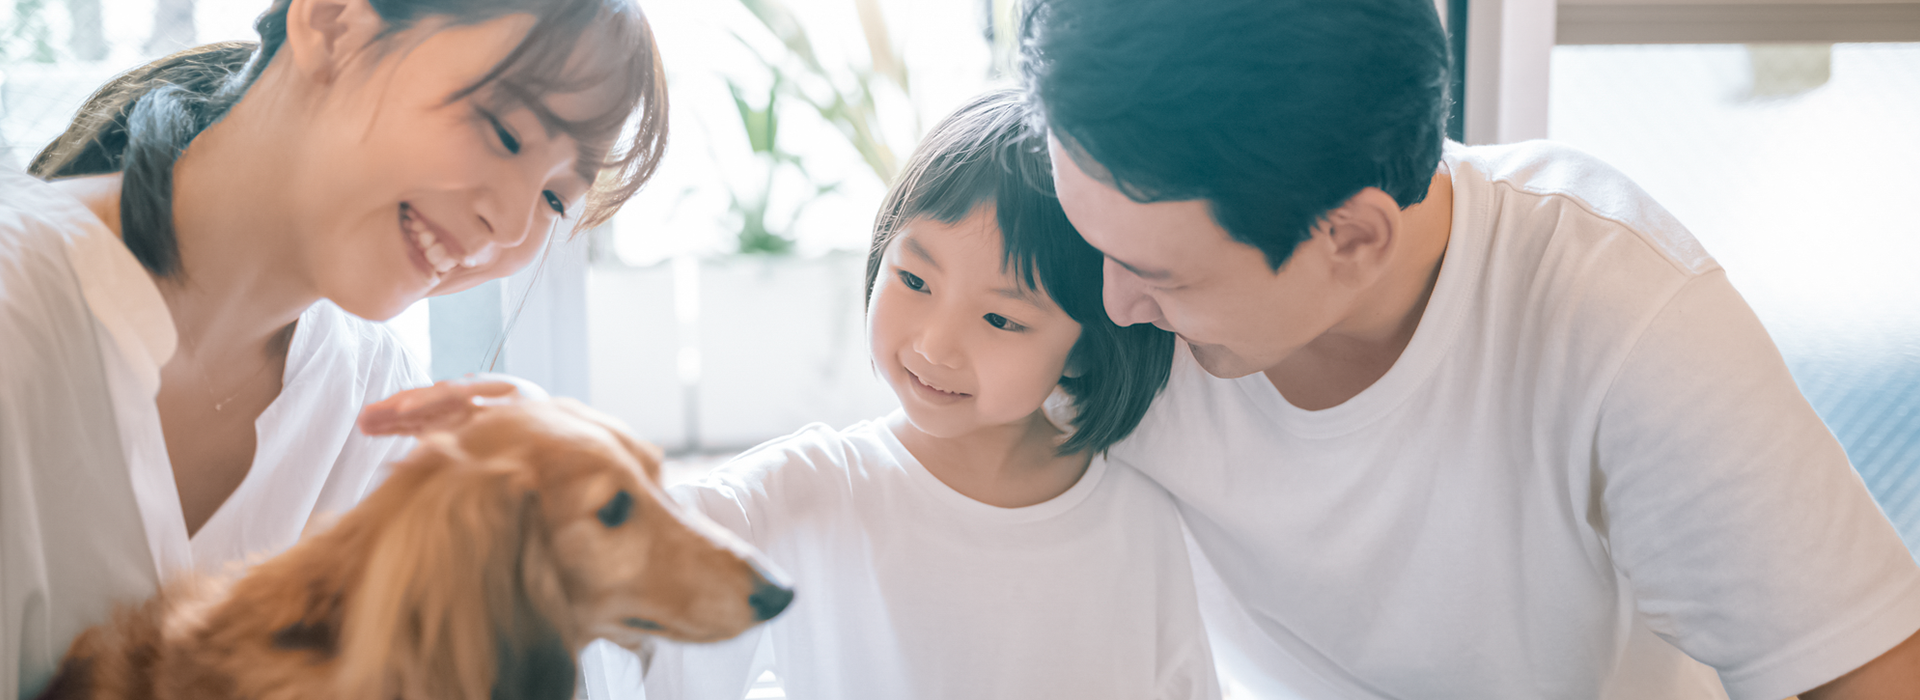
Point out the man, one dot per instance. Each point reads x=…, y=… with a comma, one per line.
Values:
x=1450, y=422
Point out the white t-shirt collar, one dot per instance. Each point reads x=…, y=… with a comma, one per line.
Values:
x=940, y=492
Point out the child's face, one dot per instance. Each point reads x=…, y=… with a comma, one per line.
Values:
x=963, y=344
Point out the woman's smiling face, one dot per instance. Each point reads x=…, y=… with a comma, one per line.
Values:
x=400, y=193
x=962, y=342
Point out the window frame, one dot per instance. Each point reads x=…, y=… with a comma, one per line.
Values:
x=1509, y=43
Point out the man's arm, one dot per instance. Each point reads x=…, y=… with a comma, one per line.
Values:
x=1751, y=543
x=1895, y=675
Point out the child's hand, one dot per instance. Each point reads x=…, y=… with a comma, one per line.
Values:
x=444, y=404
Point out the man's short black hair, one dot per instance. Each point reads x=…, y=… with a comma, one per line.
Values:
x=1274, y=111
x=987, y=154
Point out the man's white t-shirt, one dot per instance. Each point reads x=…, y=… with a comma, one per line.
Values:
x=89, y=516
x=905, y=588
x=1589, y=465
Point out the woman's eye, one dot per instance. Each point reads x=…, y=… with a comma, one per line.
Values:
x=506, y=137
x=554, y=202
x=1003, y=323
x=912, y=281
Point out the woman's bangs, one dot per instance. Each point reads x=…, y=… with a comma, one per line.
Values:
x=599, y=47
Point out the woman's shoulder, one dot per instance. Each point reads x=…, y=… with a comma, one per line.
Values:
x=36, y=218
x=28, y=203
x=40, y=288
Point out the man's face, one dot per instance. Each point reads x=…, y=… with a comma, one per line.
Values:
x=1171, y=265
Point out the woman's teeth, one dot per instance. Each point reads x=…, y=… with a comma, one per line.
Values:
x=435, y=252
x=437, y=255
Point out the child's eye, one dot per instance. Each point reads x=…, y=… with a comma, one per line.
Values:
x=506, y=137
x=1003, y=323
x=912, y=281
x=554, y=201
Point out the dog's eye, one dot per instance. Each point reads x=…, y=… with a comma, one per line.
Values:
x=617, y=509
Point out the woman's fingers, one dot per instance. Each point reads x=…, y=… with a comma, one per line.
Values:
x=443, y=405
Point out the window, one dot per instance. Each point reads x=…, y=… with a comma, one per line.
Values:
x=1795, y=165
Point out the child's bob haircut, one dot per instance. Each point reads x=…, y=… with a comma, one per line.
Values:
x=985, y=154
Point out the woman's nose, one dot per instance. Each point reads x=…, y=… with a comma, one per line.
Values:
x=1126, y=298
x=507, y=227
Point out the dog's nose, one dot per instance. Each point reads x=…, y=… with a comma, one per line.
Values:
x=768, y=600
x=771, y=592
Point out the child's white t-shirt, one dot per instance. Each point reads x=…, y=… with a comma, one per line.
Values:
x=904, y=588
x=1589, y=468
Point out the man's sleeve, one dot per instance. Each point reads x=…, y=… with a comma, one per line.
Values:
x=1750, y=542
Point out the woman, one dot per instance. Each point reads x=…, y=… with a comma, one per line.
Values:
x=182, y=303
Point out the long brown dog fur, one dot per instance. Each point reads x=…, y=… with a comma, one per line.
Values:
x=492, y=555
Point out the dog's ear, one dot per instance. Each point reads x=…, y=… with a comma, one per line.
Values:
x=442, y=608
x=73, y=682
x=534, y=661
x=646, y=453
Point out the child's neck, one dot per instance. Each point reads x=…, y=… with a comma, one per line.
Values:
x=1009, y=466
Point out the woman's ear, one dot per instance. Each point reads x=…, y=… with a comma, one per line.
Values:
x=323, y=36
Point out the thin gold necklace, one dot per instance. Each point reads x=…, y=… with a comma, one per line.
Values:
x=220, y=404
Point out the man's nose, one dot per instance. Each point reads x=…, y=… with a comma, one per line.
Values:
x=1126, y=298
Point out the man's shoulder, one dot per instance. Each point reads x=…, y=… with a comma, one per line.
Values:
x=1551, y=193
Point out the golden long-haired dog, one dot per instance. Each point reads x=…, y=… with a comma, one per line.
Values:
x=493, y=554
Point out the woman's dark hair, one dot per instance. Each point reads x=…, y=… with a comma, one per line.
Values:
x=986, y=154
x=1275, y=112
x=139, y=123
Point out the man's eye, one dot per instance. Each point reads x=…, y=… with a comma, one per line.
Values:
x=912, y=281
x=1003, y=323
x=506, y=137
x=558, y=205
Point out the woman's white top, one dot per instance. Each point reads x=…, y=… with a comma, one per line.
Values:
x=89, y=516
x=905, y=588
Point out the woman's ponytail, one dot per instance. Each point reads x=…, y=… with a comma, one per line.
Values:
x=138, y=125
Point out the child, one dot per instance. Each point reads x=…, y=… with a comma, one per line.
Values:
x=972, y=544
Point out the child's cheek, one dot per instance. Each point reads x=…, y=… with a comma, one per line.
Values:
x=1022, y=386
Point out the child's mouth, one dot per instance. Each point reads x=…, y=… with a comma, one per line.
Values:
x=935, y=392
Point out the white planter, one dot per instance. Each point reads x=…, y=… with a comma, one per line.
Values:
x=776, y=343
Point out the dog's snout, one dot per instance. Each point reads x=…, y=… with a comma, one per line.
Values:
x=771, y=591
x=769, y=599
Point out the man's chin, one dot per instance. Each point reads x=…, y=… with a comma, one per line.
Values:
x=1220, y=362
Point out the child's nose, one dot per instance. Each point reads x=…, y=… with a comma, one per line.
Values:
x=938, y=344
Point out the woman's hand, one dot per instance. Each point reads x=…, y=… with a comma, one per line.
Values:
x=445, y=404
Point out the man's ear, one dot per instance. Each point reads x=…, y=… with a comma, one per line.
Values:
x=1362, y=234
x=323, y=36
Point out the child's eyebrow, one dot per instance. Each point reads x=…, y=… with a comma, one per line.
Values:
x=914, y=247
x=1020, y=294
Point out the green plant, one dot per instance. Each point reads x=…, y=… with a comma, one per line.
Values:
x=845, y=98
x=27, y=38
x=757, y=234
